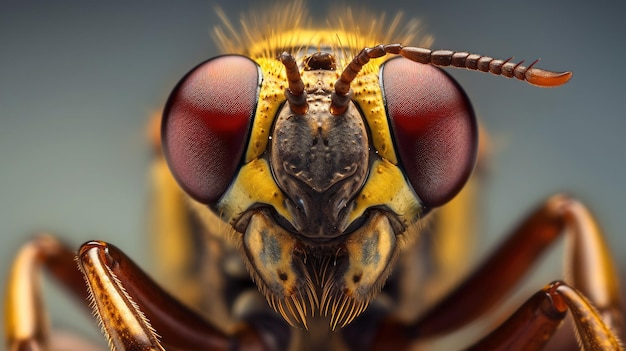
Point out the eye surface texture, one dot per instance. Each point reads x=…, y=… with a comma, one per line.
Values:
x=206, y=123
x=434, y=127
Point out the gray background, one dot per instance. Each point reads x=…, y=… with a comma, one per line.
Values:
x=79, y=80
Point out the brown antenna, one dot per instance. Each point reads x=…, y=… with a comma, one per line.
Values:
x=539, y=77
x=295, y=94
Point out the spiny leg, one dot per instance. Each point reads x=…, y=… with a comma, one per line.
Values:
x=125, y=299
x=496, y=277
x=532, y=325
x=130, y=305
x=593, y=331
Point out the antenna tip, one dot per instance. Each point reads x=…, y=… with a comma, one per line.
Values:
x=546, y=79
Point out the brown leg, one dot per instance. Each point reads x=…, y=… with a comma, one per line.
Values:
x=529, y=328
x=122, y=291
x=123, y=297
x=26, y=322
x=532, y=325
x=588, y=257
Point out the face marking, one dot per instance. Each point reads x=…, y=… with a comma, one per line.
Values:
x=270, y=249
x=369, y=252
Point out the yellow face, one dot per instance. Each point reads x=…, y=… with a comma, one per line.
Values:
x=319, y=201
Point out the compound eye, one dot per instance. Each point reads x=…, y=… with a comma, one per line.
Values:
x=434, y=128
x=206, y=123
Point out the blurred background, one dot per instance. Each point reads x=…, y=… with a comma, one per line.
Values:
x=79, y=81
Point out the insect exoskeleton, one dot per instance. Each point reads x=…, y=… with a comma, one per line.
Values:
x=324, y=154
x=320, y=199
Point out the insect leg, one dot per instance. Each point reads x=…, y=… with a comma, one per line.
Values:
x=133, y=308
x=532, y=325
x=594, y=273
x=26, y=320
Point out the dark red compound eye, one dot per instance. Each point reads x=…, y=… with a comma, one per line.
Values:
x=434, y=128
x=206, y=123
